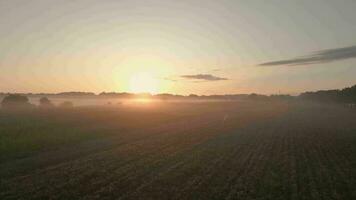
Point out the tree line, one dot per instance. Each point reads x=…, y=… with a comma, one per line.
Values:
x=346, y=95
x=16, y=101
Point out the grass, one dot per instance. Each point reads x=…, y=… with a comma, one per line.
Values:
x=25, y=133
x=244, y=150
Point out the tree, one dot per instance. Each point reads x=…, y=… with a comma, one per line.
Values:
x=45, y=103
x=15, y=101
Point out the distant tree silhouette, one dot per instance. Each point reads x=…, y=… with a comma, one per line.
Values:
x=193, y=96
x=255, y=96
x=15, y=101
x=346, y=95
x=45, y=103
x=281, y=97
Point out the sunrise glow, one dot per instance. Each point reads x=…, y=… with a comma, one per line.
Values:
x=143, y=82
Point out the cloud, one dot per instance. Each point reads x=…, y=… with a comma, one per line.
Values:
x=204, y=77
x=323, y=56
x=169, y=79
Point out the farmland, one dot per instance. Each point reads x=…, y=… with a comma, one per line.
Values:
x=206, y=150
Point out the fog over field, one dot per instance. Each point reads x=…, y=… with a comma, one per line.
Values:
x=177, y=100
x=206, y=150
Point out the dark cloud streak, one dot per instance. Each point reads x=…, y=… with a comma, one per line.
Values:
x=324, y=56
x=205, y=77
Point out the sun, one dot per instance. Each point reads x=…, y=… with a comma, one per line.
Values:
x=143, y=82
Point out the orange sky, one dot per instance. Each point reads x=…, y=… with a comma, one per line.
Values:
x=183, y=47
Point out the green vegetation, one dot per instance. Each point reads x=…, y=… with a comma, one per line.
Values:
x=229, y=150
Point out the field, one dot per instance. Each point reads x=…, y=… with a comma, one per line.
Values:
x=206, y=150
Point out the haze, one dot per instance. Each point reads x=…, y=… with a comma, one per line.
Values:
x=181, y=47
x=178, y=99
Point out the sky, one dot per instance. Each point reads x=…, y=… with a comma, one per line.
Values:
x=181, y=47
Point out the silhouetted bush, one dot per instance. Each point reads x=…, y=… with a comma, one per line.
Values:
x=15, y=101
x=45, y=103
